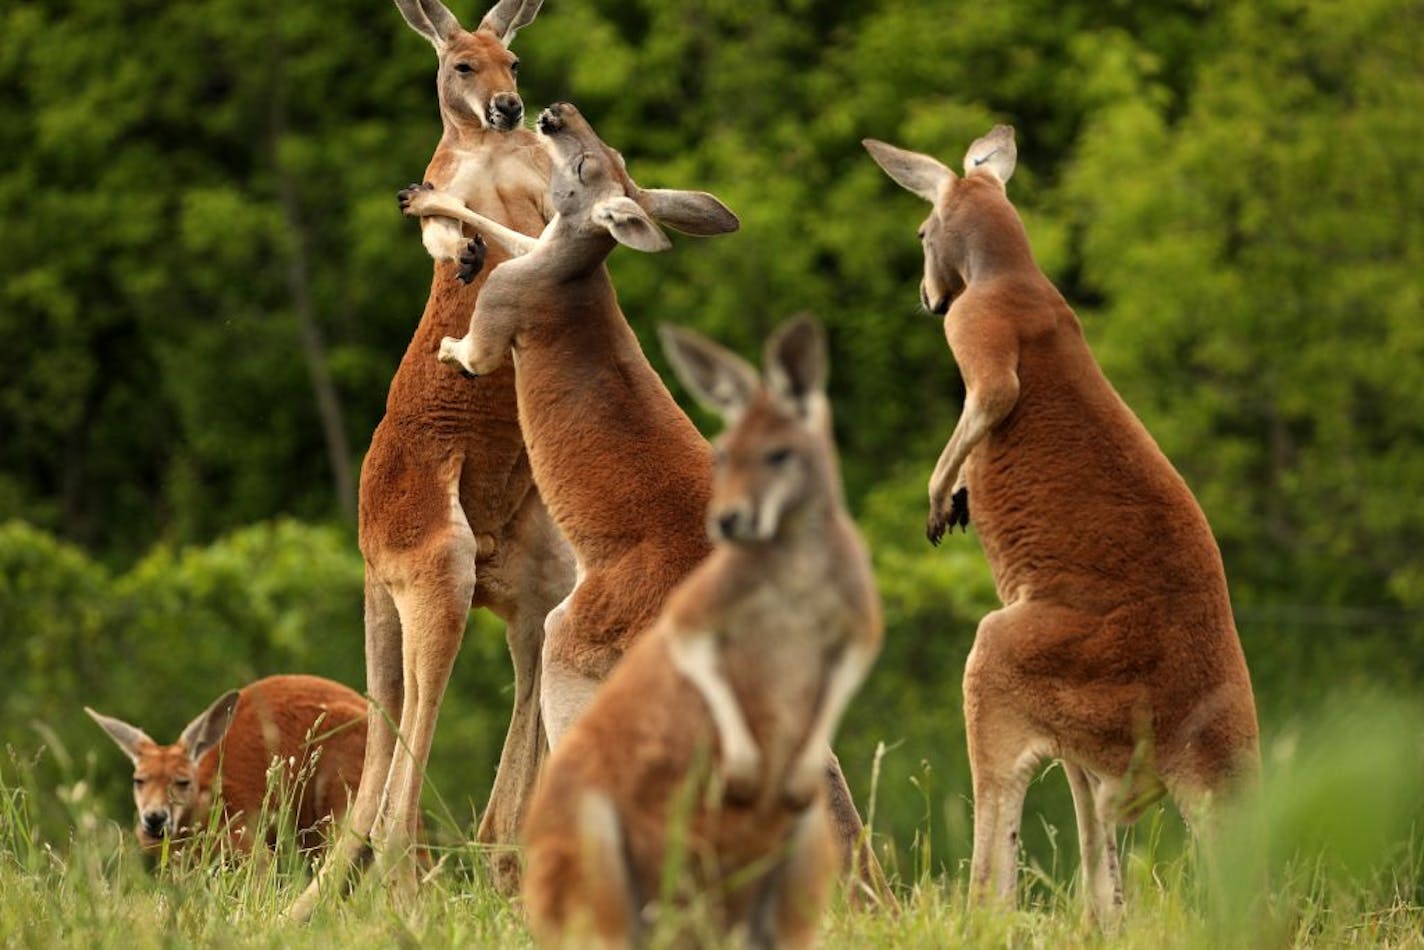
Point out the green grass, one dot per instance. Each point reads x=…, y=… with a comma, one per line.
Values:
x=1329, y=853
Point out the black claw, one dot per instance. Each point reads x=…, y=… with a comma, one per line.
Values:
x=472, y=261
x=934, y=530
x=405, y=194
x=959, y=510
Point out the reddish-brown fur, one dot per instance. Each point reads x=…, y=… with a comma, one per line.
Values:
x=624, y=472
x=1116, y=650
x=316, y=727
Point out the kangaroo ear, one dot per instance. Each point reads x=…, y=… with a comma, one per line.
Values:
x=994, y=153
x=126, y=737
x=916, y=173
x=718, y=378
x=796, y=365
x=509, y=17
x=629, y=224
x=691, y=212
x=430, y=18
x=208, y=729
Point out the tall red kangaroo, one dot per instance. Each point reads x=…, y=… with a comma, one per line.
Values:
x=315, y=727
x=626, y=475
x=1115, y=650
x=450, y=517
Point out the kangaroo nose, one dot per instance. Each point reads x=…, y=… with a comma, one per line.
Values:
x=510, y=108
x=154, y=822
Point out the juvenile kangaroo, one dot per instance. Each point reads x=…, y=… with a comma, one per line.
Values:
x=1115, y=650
x=625, y=474
x=315, y=727
x=449, y=514
x=755, y=657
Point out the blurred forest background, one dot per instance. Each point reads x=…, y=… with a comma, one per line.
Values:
x=205, y=287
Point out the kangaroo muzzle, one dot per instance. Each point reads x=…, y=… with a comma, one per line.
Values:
x=155, y=823
x=505, y=112
x=732, y=524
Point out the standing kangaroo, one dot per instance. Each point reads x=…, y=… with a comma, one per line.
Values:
x=1115, y=650
x=756, y=655
x=450, y=517
x=316, y=728
x=625, y=474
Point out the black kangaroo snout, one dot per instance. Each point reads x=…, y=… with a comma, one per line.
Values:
x=507, y=108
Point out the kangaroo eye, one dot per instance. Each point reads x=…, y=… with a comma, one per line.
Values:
x=514, y=67
x=778, y=457
x=922, y=234
x=464, y=68
x=181, y=783
x=139, y=781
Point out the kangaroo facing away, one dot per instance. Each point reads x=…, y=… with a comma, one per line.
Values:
x=450, y=517
x=316, y=727
x=1115, y=650
x=755, y=657
x=625, y=474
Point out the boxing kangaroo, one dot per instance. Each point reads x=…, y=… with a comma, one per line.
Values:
x=754, y=657
x=449, y=514
x=624, y=472
x=1115, y=650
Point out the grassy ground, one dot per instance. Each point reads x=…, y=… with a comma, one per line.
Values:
x=1329, y=853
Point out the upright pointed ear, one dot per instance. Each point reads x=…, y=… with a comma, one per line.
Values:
x=912, y=171
x=718, y=378
x=509, y=17
x=208, y=729
x=126, y=737
x=629, y=224
x=430, y=18
x=796, y=365
x=691, y=212
x=995, y=153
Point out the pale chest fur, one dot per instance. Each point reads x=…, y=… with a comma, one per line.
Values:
x=778, y=642
x=490, y=179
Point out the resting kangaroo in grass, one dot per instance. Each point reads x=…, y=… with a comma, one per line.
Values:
x=755, y=656
x=623, y=470
x=1115, y=650
x=315, y=727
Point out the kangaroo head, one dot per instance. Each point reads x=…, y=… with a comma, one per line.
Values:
x=477, y=75
x=591, y=190
x=963, y=233
x=776, y=459
x=168, y=791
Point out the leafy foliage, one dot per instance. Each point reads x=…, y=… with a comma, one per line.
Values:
x=1227, y=192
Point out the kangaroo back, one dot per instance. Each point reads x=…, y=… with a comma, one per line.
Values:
x=1116, y=649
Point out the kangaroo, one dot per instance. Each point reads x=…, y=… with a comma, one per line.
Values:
x=449, y=516
x=1115, y=650
x=626, y=475
x=755, y=656
x=313, y=725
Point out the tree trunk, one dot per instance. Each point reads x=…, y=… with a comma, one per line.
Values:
x=338, y=449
